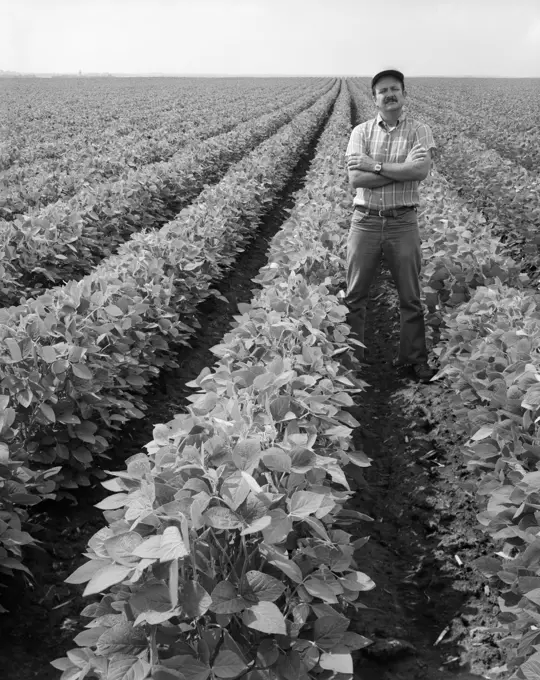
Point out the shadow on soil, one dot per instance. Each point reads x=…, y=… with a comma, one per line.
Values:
x=429, y=613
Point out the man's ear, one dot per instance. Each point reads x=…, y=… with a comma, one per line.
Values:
x=404, y=93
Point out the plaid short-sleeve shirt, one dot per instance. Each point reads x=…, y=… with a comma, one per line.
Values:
x=374, y=139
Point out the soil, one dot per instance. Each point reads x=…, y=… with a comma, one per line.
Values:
x=430, y=614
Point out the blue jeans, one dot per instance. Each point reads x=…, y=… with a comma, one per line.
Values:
x=398, y=239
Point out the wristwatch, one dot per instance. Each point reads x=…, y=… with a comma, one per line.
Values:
x=378, y=168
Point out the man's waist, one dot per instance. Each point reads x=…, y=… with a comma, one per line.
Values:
x=387, y=212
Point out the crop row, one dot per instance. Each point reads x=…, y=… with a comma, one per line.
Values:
x=489, y=353
x=42, y=119
x=507, y=193
x=67, y=239
x=489, y=325
x=497, y=106
x=28, y=188
x=239, y=562
x=76, y=361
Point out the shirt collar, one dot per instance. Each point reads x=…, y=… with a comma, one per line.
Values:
x=380, y=122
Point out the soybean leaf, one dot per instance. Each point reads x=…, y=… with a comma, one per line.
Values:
x=48, y=353
x=117, y=500
x=300, y=613
x=290, y=568
x=279, y=408
x=82, y=371
x=234, y=490
x=121, y=546
x=290, y=666
x=531, y=667
x=265, y=617
x=189, y=667
x=195, y=600
x=88, y=638
x=14, y=349
x=339, y=663
x=226, y=600
x=304, y=503
x=106, y=577
x=350, y=642
x=222, y=518
x=265, y=587
x=155, y=618
x=246, y=454
x=534, y=596
x=267, y=653
x=113, y=310
x=124, y=638
x=129, y=668
x=162, y=673
x=172, y=545
x=277, y=460
x=48, y=412
x=86, y=571
x=153, y=597
x=358, y=458
x=309, y=655
x=357, y=580
x=258, y=525
x=328, y=631
x=319, y=588
x=279, y=528
x=150, y=548
x=228, y=665
x=302, y=460
x=318, y=527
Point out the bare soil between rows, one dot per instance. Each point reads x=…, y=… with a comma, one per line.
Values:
x=432, y=613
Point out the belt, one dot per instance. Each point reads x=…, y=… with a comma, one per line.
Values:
x=391, y=212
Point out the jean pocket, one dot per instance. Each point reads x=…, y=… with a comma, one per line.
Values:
x=357, y=217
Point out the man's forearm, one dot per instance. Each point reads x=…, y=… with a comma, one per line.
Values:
x=367, y=180
x=403, y=172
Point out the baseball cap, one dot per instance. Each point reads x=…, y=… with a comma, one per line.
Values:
x=390, y=72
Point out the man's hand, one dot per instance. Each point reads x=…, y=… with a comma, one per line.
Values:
x=361, y=162
x=414, y=168
x=416, y=155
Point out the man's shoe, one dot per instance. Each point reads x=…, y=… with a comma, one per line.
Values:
x=423, y=372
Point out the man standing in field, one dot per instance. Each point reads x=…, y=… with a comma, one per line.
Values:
x=387, y=158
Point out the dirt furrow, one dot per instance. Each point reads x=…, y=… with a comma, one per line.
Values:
x=430, y=612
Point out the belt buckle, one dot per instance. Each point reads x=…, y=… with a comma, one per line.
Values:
x=380, y=213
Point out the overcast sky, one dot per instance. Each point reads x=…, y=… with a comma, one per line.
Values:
x=278, y=37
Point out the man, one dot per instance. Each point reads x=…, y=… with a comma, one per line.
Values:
x=387, y=158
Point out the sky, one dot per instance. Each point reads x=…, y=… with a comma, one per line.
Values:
x=272, y=37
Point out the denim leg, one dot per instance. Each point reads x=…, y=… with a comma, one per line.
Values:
x=401, y=247
x=363, y=256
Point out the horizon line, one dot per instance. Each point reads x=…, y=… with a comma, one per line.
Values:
x=154, y=74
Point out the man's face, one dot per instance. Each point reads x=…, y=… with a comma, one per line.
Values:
x=388, y=94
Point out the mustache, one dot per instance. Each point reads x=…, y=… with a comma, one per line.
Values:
x=391, y=99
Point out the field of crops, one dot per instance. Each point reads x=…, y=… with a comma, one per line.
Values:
x=196, y=480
